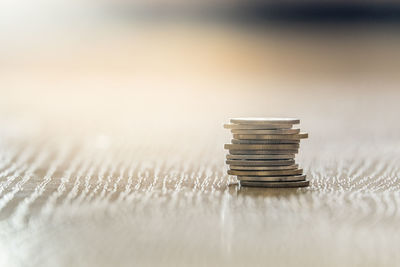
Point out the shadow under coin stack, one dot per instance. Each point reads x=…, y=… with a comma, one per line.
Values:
x=262, y=152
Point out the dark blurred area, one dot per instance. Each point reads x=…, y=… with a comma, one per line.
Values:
x=267, y=12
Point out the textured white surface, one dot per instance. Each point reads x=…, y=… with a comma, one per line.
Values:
x=122, y=181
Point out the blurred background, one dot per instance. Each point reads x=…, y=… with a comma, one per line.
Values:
x=132, y=62
x=111, y=137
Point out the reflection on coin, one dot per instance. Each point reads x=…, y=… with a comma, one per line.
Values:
x=264, y=168
x=253, y=157
x=259, y=127
x=274, y=162
x=262, y=152
x=290, y=178
x=265, y=120
x=261, y=146
x=278, y=131
x=265, y=173
x=276, y=184
x=271, y=136
x=265, y=141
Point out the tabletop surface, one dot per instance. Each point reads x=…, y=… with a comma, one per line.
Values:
x=104, y=171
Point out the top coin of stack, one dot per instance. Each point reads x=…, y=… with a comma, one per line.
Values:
x=262, y=152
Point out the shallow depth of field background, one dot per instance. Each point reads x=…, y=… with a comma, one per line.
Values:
x=111, y=137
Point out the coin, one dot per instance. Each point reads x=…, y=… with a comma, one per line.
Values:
x=271, y=136
x=274, y=162
x=265, y=173
x=262, y=152
x=265, y=121
x=276, y=131
x=260, y=157
x=261, y=146
x=264, y=168
x=290, y=178
x=265, y=141
x=276, y=184
x=258, y=127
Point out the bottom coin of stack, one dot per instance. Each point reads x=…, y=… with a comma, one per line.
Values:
x=263, y=150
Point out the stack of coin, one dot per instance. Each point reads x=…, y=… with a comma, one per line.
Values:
x=262, y=152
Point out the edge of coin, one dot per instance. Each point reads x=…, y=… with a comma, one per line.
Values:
x=256, y=120
x=260, y=162
x=257, y=131
x=260, y=157
x=262, y=152
x=301, y=135
x=295, y=184
x=258, y=126
x=261, y=146
x=264, y=141
x=289, y=178
x=265, y=173
x=263, y=168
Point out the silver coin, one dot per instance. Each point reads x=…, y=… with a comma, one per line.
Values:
x=277, y=131
x=276, y=184
x=260, y=157
x=265, y=173
x=261, y=146
x=258, y=127
x=290, y=178
x=265, y=141
x=274, y=162
x=262, y=152
x=265, y=120
x=271, y=136
x=263, y=168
